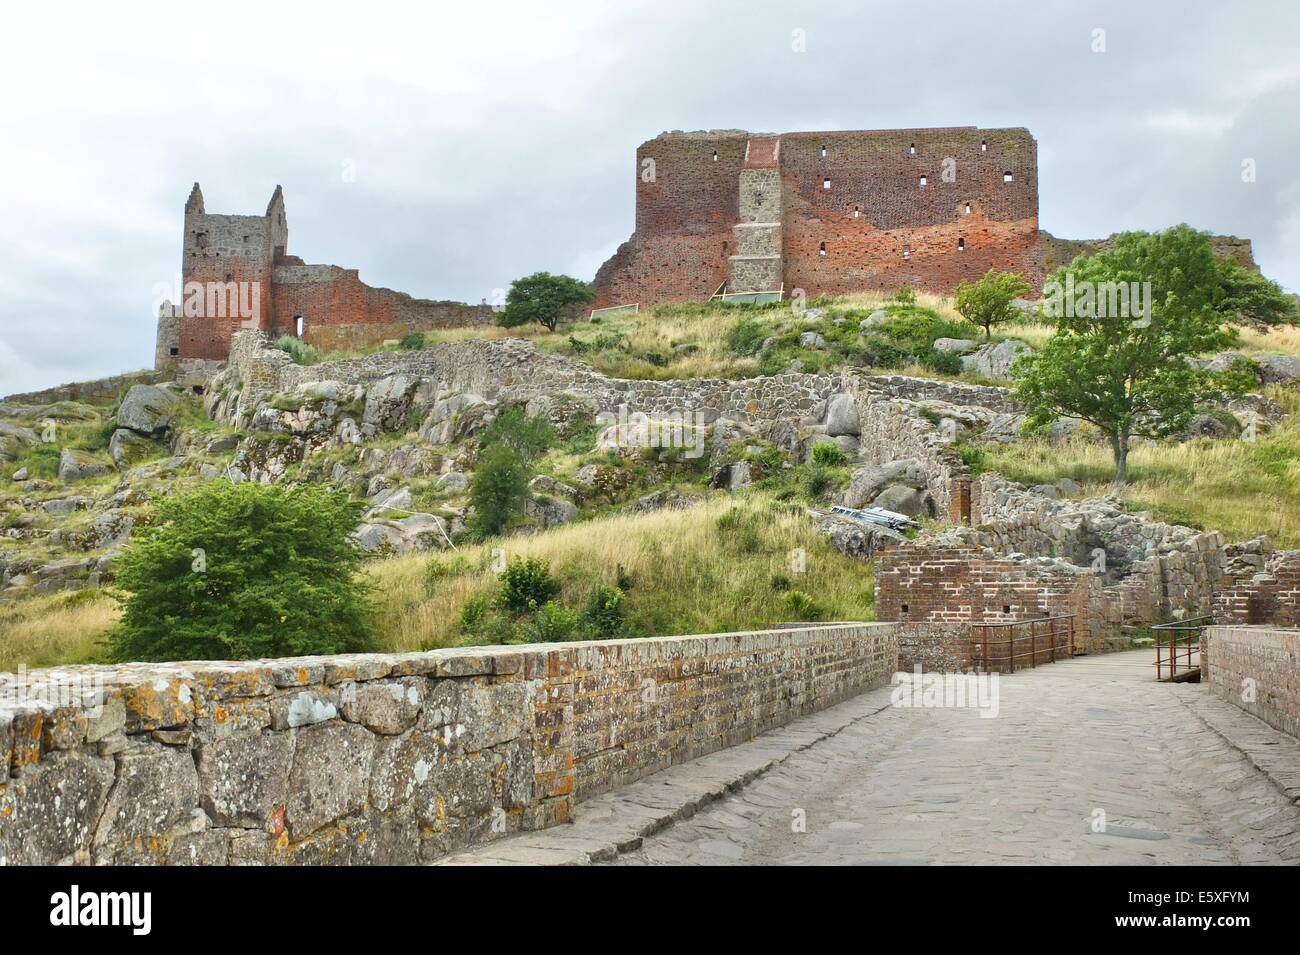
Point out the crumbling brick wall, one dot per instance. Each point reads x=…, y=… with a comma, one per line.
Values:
x=944, y=580
x=854, y=214
x=242, y=260
x=1271, y=597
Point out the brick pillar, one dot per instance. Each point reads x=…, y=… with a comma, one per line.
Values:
x=959, y=501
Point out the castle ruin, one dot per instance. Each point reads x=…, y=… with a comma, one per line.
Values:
x=237, y=274
x=735, y=213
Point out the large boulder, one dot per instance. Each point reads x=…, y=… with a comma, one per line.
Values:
x=958, y=346
x=148, y=409
x=75, y=465
x=14, y=439
x=856, y=540
x=1277, y=368
x=842, y=416
x=128, y=448
x=867, y=483
x=903, y=500
x=550, y=511
x=416, y=532
x=994, y=359
x=387, y=402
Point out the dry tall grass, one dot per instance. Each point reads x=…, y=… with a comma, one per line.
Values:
x=691, y=573
x=1243, y=488
x=56, y=629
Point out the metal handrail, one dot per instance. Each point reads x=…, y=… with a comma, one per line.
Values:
x=1054, y=628
x=1188, y=626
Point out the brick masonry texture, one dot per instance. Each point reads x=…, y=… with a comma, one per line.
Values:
x=857, y=196
x=1271, y=596
x=1257, y=669
x=395, y=758
x=218, y=250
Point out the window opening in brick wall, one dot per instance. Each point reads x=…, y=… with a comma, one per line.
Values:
x=821, y=249
x=1006, y=176
x=826, y=183
x=961, y=245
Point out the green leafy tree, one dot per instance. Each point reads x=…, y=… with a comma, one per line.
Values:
x=543, y=298
x=499, y=489
x=1126, y=370
x=243, y=571
x=988, y=302
x=526, y=436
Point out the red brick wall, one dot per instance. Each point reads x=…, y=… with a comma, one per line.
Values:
x=1273, y=598
x=1257, y=669
x=877, y=173
x=924, y=584
x=685, y=216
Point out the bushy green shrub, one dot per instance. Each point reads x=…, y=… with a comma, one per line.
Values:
x=299, y=350
x=412, y=342
x=944, y=362
x=746, y=337
x=829, y=454
x=498, y=490
x=237, y=571
x=526, y=584
x=818, y=481
x=801, y=606
x=553, y=623
x=604, y=613
x=526, y=436
x=905, y=295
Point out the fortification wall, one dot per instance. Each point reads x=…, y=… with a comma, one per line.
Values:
x=854, y=215
x=513, y=370
x=385, y=758
x=100, y=389
x=877, y=175
x=1272, y=596
x=1257, y=669
x=338, y=310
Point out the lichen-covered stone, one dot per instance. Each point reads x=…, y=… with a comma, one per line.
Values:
x=155, y=790
x=48, y=813
x=384, y=706
x=243, y=778
x=330, y=775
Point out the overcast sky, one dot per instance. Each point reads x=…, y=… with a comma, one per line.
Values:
x=493, y=139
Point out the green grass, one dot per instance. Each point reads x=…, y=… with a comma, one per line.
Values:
x=1243, y=488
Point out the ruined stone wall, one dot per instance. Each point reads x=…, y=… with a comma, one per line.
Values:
x=513, y=370
x=893, y=431
x=393, y=758
x=100, y=389
x=340, y=311
x=1271, y=597
x=1061, y=252
x=1257, y=669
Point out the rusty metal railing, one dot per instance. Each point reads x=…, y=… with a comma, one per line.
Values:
x=1051, y=636
x=1179, y=641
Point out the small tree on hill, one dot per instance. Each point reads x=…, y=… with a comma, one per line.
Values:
x=543, y=298
x=1126, y=370
x=499, y=489
x=988, y=302
x=243, y=571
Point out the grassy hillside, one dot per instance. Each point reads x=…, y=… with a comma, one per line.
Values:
x=721, y=565
x=1243, y=488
